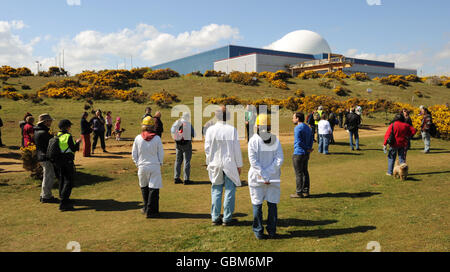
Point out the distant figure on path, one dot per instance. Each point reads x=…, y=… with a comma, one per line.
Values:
x=109, y=125
x=86, y=131
x=159, y=127
x=352, y=122
x=28, y=131
x=98, y=124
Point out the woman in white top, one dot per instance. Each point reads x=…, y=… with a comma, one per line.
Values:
x=148, y=155
x=324, y=134
x=265, y=156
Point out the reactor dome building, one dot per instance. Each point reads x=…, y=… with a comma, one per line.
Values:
x=296, y=52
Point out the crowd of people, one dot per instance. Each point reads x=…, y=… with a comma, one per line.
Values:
x=222, y=151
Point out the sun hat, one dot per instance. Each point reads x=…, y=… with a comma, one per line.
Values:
x=45, y=117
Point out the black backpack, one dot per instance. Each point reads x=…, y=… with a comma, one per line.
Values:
x=433, y=130
x=391, y=140
x=54, y=153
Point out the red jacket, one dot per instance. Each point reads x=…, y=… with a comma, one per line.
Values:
x=402, y=132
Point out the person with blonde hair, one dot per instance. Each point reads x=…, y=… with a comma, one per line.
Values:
x=148, y=156
x=265, y=156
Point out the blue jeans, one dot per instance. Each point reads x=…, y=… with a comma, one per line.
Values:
x=356, y=135
x=426, y=141
x=324, y=141
x=392, y=154
x=272, y=217
x=228, y=202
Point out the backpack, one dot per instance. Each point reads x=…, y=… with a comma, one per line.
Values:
x=391, y=140
x=433, y=130
x=316, y=116
x=53, y=151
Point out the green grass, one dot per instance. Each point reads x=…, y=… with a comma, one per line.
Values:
x=353, y=201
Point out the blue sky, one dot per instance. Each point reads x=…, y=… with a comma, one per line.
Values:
x=99, y=34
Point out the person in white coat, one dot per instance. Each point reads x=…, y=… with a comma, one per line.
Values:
x=224, y=162
x=265, y=156
x=148, y=155
x=325, y=133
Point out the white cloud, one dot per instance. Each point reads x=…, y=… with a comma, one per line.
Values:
x=373, y=2
x=13, y=51
x=73, y=2
x=94, y=50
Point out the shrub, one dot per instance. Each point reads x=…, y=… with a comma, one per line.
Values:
x=327, y=83
x=413, y=78
x=9, y=89
x=418, y=93
x=395, y=80
x=212, y=73
x=243, y=78
x=196, y=73
x=446, y=83
x=279, y=83
x=299, y=93
x=309, y=75
x=15, y=72
x=30, y=162
x=137, y=73
x=12, y=95
x=292, y=103
x=341, y=91
x=161, y=74
x=56, y=71
x=337, y=75
x=224, y=78
x=26, y=87
x=360, y=76
x=164, y=98
x=226, y=100
x=433, y=80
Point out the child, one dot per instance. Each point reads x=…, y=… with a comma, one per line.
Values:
x=66, y=164
x=117, y=129
x=148, y=156
x=108, y=124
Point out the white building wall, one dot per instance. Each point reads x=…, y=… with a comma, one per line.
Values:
x=242, y=64
x=272, y=63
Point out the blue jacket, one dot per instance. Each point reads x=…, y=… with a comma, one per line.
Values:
x=303, y=139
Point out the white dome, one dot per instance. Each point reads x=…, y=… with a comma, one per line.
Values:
x=301, y=41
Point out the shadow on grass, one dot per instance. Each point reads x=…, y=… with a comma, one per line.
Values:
x=9, y=163
x=105, y=205
x=179, y=215
x=107, y=156
x=82, y=179
x=428, y=173
x=292, y=222
x=343, y=194
x=11, y=155
x=325, y=233
x=345, y=153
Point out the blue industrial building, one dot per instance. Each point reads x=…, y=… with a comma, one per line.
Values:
x=247, y=59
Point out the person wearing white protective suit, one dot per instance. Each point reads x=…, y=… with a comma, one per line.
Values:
x=265, y=156
x=148, y=155
x=224, y=163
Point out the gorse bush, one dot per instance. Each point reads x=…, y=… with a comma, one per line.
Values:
x=212, y=73
x=360, y=76
x=395, y=80
x=309, y=75
x=161, y=74
x=336, y=75
x=341, y=91
x=15, y=72
x=164, y=98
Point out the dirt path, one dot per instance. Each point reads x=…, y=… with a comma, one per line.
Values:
x=10, y=161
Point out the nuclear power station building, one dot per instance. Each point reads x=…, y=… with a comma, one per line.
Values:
x=296, y=52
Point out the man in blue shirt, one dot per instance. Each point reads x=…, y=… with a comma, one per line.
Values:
x=303, y=141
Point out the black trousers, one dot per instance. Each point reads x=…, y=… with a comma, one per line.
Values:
x=301, y=173
x=101, y=135
x=153, y=202
x=66, y=173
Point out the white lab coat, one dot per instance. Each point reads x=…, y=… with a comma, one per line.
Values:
x=148, y=157
x=223, y=153
x=265, y=163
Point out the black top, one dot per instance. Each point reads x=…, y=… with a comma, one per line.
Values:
x=353, y=121
x=158, y=126
x=85, y=127
x=41, y=138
